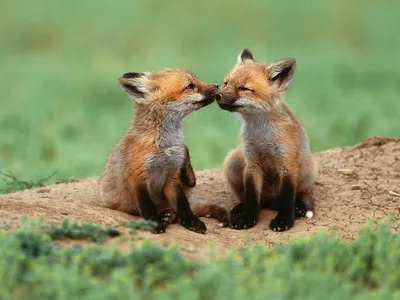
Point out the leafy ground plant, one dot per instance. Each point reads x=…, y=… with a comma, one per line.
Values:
x=32, y=266
x=13, y=184
x=75, y=230
x=134, y=226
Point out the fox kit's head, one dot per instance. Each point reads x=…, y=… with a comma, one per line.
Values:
x=174, y=91
x=253, y=87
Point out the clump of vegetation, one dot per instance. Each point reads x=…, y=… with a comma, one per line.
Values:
x=94, y=233
x=32, y=266
x=13, y=184
x=134, y=225
x=67, y=180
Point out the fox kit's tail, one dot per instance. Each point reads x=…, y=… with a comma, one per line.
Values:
x=211, y=211
x=304, y=197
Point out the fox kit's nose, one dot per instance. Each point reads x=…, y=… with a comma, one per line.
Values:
x=218, y=97
x=216, y=86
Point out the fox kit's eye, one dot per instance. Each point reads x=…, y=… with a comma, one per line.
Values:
x=243, y=88
x=191, y=86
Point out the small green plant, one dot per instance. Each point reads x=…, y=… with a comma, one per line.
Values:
x=134, y=225
x=94, y=233
x=5, y=227
x=13, y=184
x=67, y=180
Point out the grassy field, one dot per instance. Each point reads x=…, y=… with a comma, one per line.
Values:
x=62, y=109
x=34, y=266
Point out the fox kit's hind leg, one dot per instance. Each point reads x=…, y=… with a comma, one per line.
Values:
x=234, y=166
x=284, y=220
x=246, y=182
x=187, y=174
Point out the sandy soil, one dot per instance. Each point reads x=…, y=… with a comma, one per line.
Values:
x=355, y=184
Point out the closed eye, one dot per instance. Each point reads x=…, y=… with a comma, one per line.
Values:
x=191, y=86
x=243, y=88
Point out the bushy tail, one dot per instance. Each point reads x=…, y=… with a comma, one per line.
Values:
x=212, y=211
x=304, y=206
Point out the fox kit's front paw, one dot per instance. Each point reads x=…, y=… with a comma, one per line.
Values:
x=167, y=216
x=281, y=223
x=241, y=219
x=160, y=228
x=194, y=224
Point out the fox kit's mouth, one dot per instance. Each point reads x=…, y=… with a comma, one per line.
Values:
x=203, y=103
x=229, y=107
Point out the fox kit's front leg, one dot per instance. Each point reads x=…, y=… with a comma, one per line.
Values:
x=147, y=208
x=246, y=183
x=248, y=190
x=284, y=220
x=175, y=192
x=188, y=179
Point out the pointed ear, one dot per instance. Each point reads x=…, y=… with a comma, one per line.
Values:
x=135, y=85
x=245, y=56
x=281, y=73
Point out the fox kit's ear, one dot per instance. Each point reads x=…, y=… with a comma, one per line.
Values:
x=245, y=56
x=281, y=73
x=135, y=85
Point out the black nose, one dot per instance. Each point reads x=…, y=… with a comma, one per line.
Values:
x=216, y=86
x=218, y=97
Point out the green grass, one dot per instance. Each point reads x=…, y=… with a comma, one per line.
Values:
x=12, y=184
x=94, y=233
x=34, y=266
x=62, y=109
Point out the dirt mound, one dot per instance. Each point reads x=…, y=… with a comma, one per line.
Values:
x=354, y=185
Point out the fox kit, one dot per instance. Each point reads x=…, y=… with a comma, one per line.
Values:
x=273, y=165
x=148, y=172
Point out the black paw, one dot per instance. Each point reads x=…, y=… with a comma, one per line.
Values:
x=167, y=216
x=160, y=228
x=237, y=211
x=281, y=223
x=195, y=224
x=240, y=219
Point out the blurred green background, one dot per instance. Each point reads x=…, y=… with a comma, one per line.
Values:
x=62, y=109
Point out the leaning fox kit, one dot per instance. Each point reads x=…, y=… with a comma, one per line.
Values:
x=148, y=172
x=273, y=165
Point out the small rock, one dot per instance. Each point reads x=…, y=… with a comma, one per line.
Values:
x=190, y=249
x=355, y=188
x=346, y=171
x=394, y=194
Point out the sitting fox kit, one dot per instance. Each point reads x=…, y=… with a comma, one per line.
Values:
x=148, y=172
x=273, y=165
